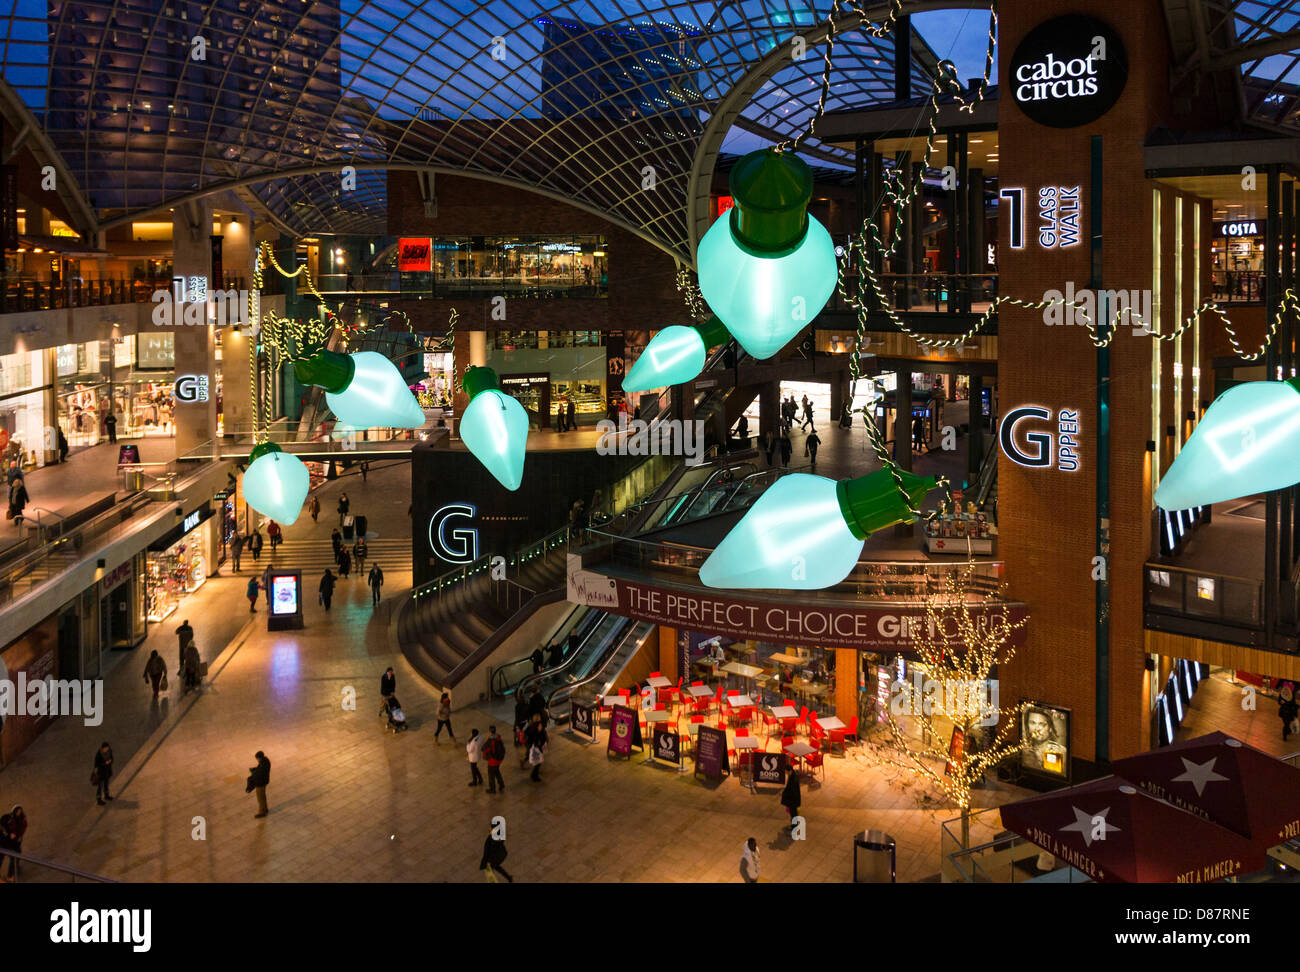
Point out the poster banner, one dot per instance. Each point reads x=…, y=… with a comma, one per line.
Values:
x=582, y=720
x=667, y=746
x=956, y=747
x=624, y=731
x=769, y=768
x=883, y=628
x=415, y=254
x=1045, y=740
x=711, y=753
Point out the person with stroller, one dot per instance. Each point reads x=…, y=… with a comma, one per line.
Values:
x=387, y=683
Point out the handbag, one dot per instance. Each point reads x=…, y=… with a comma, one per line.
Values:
x=94, y=776
x=163, y=684
x=203, y=669
x=535, y=755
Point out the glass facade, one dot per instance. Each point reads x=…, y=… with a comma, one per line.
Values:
x=542, y=266
x=23, y=385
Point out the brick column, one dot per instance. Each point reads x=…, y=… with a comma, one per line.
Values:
x=196, y=349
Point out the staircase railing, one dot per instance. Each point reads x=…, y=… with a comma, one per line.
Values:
x=452, y=578
x=45, y=872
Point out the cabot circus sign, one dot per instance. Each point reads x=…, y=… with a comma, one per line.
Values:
x=1068, y=71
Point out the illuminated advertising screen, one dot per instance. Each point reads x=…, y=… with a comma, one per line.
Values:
x=284, y=594
x=415, y=254
x=1045, y=740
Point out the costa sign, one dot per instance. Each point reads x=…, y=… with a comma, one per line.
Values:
x=1068, y=71
x=415, y=254
x=882, y=628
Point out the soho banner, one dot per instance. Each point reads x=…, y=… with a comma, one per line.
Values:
x=1068, y=71
x=582, y=721
x=884, y=628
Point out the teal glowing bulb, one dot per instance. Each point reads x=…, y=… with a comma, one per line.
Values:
x=365, y=390
x=674, y=355
x=276, y=483
x=494, y=427
x=1247, y=442
x=768, y=268
x=806, y=532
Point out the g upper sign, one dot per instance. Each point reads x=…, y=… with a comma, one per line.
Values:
x=191, y=388
x=1068, y=71
x=1041, y=449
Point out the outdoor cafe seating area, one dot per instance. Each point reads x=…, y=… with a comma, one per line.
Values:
x=752, y=727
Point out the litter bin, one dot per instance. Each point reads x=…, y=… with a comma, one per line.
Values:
x=361, y=525
x=874, y=858
x=134, y=479
x=349, y=527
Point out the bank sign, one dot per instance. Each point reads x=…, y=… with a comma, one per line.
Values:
x=1068, y=71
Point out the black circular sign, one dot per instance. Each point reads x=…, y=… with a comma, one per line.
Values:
x=1068, y=71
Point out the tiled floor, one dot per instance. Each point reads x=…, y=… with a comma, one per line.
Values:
x=353, y=802
x=1239, y=710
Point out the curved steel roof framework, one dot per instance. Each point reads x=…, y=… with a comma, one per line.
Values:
x=619, y=105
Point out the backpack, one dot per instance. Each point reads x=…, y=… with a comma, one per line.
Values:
x=496, y=748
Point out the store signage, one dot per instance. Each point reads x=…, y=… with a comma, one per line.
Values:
x=769, y=768
x=191, y=388
x=1042, y=449
x=582, y=719
x=415, y=254
x=116, y=576
x=667, y=746
x=1058, y=212
x=457, y=544
x=892, y=628
x=1068, y=71
x=624, y=731
x=191, y=521
x=1245, y=227
x=711, y=752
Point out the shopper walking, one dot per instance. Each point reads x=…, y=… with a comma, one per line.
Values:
x=494, y=856
x=570, y=416
x=444, y=718
x=535, y=739
x=255, y=544
x=236, y=548
x=17, y=501
x=494, y=751
x=155, y=670
x=336, y=539
x=191, y=673
x=791, y=797
x=250, y=592
x=360, y=551
x=326, y=588
x=787, y=447
x=810, y=447
x=313, y=507
x=102, y=773
x=473, y=749
x=365, y=471
x=376, y=581
x=537, y=707
x=110, y=426
x=918, y=434
x=61, y=441
x=559, y=416
x=538, y=658
x=184, y=635
x=275, y=534
x=343, y=507
x=259, y=777
x=345, y=564
x=1287, y=709
x=749, y=862
x=521, y=719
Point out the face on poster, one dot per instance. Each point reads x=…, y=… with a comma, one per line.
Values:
x=1045, y=739
x=284, y=594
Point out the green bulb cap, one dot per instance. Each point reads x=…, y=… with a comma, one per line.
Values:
x=262, y=449
x=1294, y=383
x=771, y=190
x=330, y=370
x=713, y=332
x=478, y=379
x=870, y=503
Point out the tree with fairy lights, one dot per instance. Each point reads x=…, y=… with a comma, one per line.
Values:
x=953, y=697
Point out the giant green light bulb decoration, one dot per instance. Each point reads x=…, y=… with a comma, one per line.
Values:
x=365, y=390
x=275, y=483
x=768, y=268
x=494, y=427
x=806, y=532
x=1247, y=442
x=674, y=355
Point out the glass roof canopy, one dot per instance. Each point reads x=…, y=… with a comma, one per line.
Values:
x=149, y=102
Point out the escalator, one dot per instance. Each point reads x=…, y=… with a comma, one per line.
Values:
x=579, y=622
x=603, y=678
x=600, y=639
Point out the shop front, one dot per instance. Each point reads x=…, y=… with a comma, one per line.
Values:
x=571, y=362
x=122, y=622
x=178, y=563
x=1237, y=251
x=24, y=388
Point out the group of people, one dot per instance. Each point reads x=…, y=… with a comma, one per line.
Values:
x=253, y=543
x=566, y=415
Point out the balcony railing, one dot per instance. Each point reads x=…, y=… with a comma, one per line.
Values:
x=936, y=293
x=1205, y=596
x=419, y=285
x=23, y=294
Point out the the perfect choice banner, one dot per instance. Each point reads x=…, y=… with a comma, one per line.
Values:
x=889, y=628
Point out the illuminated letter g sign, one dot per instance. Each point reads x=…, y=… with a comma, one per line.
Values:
x=1040, y=441
x=456, y=545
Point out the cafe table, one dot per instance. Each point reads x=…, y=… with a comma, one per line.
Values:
x=785, y=659
x=748, y=743
x=799, y=750
x=659, y=682
x=738, y=702
x=833, y=722
x=785, y=712
x=743, y=670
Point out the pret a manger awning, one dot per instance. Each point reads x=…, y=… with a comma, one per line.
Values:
x=1225, y=781
x=1113, y=832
